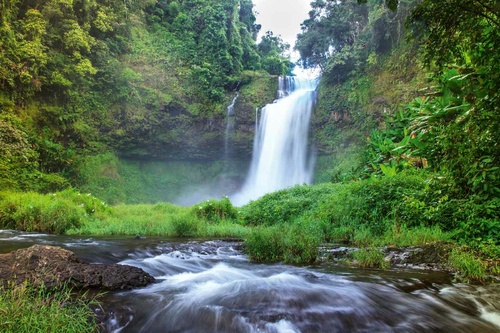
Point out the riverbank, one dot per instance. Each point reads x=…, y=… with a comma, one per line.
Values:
x=182, y=267
x=288, y=225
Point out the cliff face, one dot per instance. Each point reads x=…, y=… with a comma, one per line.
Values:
x=174, y=131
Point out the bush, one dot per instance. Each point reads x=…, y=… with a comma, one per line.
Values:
x=87, y=201
x=285, y=205
x=185, y=225
x=215, y=211
x=404, y=236
x=265, y=244
x=36, y=212
x=409, y=208
x=468, y=267
x=301, y=243
x=480, y=222
x=370, y=258
x=375, y=204
x=294, y=244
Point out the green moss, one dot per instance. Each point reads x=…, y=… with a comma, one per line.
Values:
x=258, y=88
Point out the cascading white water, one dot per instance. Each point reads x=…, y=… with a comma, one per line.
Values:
x=280, y=156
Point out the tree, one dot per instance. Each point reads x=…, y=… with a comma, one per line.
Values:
x=461, y=121
x=274, y=53
x=330, y=38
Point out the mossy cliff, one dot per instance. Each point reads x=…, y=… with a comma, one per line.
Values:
x=144, y=80
x=180, y=130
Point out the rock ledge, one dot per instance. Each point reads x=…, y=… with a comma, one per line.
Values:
x=55, y=266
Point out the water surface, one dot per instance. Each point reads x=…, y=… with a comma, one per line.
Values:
x=210, y=286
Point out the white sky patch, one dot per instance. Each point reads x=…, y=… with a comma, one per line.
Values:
x=282, y=17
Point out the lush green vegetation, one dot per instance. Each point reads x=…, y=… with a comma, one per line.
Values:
x=52, y=213
x=27, y=309
x=370, y=258
x=288, y=225
x=420, y=84
x=118, y=181
x=407, y=123
x=407, y=112
x=208, y=219
x=146, y=79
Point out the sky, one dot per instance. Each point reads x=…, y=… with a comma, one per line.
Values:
x=282, y=17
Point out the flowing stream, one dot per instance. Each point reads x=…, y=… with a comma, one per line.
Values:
x=210, y=286
x=280, y=154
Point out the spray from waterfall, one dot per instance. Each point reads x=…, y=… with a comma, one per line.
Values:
x=281, y=157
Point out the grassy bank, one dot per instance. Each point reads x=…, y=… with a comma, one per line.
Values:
x=28, y=309
x=288, y=225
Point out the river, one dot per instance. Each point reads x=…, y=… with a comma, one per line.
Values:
x=210, y=286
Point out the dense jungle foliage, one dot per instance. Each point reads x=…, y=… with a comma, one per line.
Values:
x=413, y=88
x=137, y=78
x=94, y=94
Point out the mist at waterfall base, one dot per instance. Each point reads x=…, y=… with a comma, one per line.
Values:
x=281, y=152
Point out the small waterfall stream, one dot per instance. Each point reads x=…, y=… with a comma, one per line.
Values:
x=281, y=157
x=229, y=127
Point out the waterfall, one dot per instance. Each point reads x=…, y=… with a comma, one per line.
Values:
x=229, y=126
x=280, y=155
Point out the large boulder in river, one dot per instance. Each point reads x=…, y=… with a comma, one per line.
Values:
x=54, y=266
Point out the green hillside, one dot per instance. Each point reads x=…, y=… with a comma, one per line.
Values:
x=144, y=80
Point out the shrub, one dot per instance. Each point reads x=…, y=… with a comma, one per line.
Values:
x=370, y=258
x=185, y=225
x=285, y=205
x=294, y=244
x=468, y=267
x=363, y=236
x=265, y=244
x=480, y=222
x=87, y=201
x=374, y=204
x=215, y=211
x=49, y=182
x=404, y=236
x=301, y=243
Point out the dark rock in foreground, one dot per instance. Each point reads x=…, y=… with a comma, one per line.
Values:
x=55, y=266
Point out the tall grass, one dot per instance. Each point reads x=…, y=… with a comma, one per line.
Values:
x=165, y=219
x=468, y=268
x=26, y=309
x=51, y=213
x=370, y=258
x=295, y=244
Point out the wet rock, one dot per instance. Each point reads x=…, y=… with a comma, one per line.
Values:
x=55, y=266
x=334, y=253
x=430, y=256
